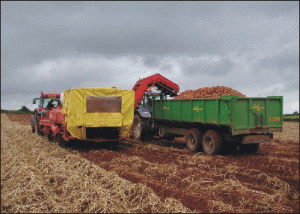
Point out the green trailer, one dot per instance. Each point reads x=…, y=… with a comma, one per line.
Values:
x=215, y=125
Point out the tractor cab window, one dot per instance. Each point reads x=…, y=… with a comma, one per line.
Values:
x=149, y=98
x=147, y=102
x=44, y=102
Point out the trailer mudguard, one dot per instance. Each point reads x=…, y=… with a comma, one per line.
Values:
x=144, y=113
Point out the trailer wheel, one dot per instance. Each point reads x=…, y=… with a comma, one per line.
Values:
x=212, y=142
x=193, y=139
x=139, y=132
x=249, y=148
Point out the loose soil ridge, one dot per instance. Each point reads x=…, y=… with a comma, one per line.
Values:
x=39, y=176
x=265, y=182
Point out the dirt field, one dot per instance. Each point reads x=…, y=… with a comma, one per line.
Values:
x=155, y=176
x=22, y=118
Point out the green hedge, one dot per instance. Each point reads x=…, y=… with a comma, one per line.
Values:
x=292, y=118
x=16, y=111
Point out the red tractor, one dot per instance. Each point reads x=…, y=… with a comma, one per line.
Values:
x=47, y=103
x=143, y=100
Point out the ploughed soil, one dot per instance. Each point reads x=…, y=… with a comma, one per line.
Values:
x=267, y=181
x=22, y=118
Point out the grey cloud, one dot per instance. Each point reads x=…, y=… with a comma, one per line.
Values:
x=34, y=32
x=202, y=67
x=280, y=61
x=269, y=7
x=56, y=82
x=166, y=67
x=111, y=30
x=292, y=86
x=278, y=7
x=151, y=61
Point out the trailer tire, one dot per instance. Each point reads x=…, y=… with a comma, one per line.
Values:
x=249, y=148
x=193, y=139
x=212, y=142
x=139, y=128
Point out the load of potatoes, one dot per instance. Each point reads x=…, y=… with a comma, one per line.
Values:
x=208, y=93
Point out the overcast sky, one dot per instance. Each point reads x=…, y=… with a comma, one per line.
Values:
x=252, y=47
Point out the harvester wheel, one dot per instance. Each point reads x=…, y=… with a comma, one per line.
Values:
x=212, y=142
x=193, y=139
x=51, y=136
x=59, y=139
x=249, y=148
x=139, y=129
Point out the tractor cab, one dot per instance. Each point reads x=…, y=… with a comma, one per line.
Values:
x=46, y=102
x=146, y=104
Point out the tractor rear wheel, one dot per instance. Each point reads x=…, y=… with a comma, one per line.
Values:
x=212, y=142
x=36, y=124
x=139, y=128
x=32, y=124
x=36, y=128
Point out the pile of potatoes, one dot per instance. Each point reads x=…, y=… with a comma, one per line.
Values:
x=208, y=93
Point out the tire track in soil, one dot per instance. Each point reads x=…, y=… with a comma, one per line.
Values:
x=106, y=153
x=193, y=200
x=259, y=163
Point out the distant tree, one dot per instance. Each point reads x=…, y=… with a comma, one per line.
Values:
x=296, y=112
x=25, y=109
